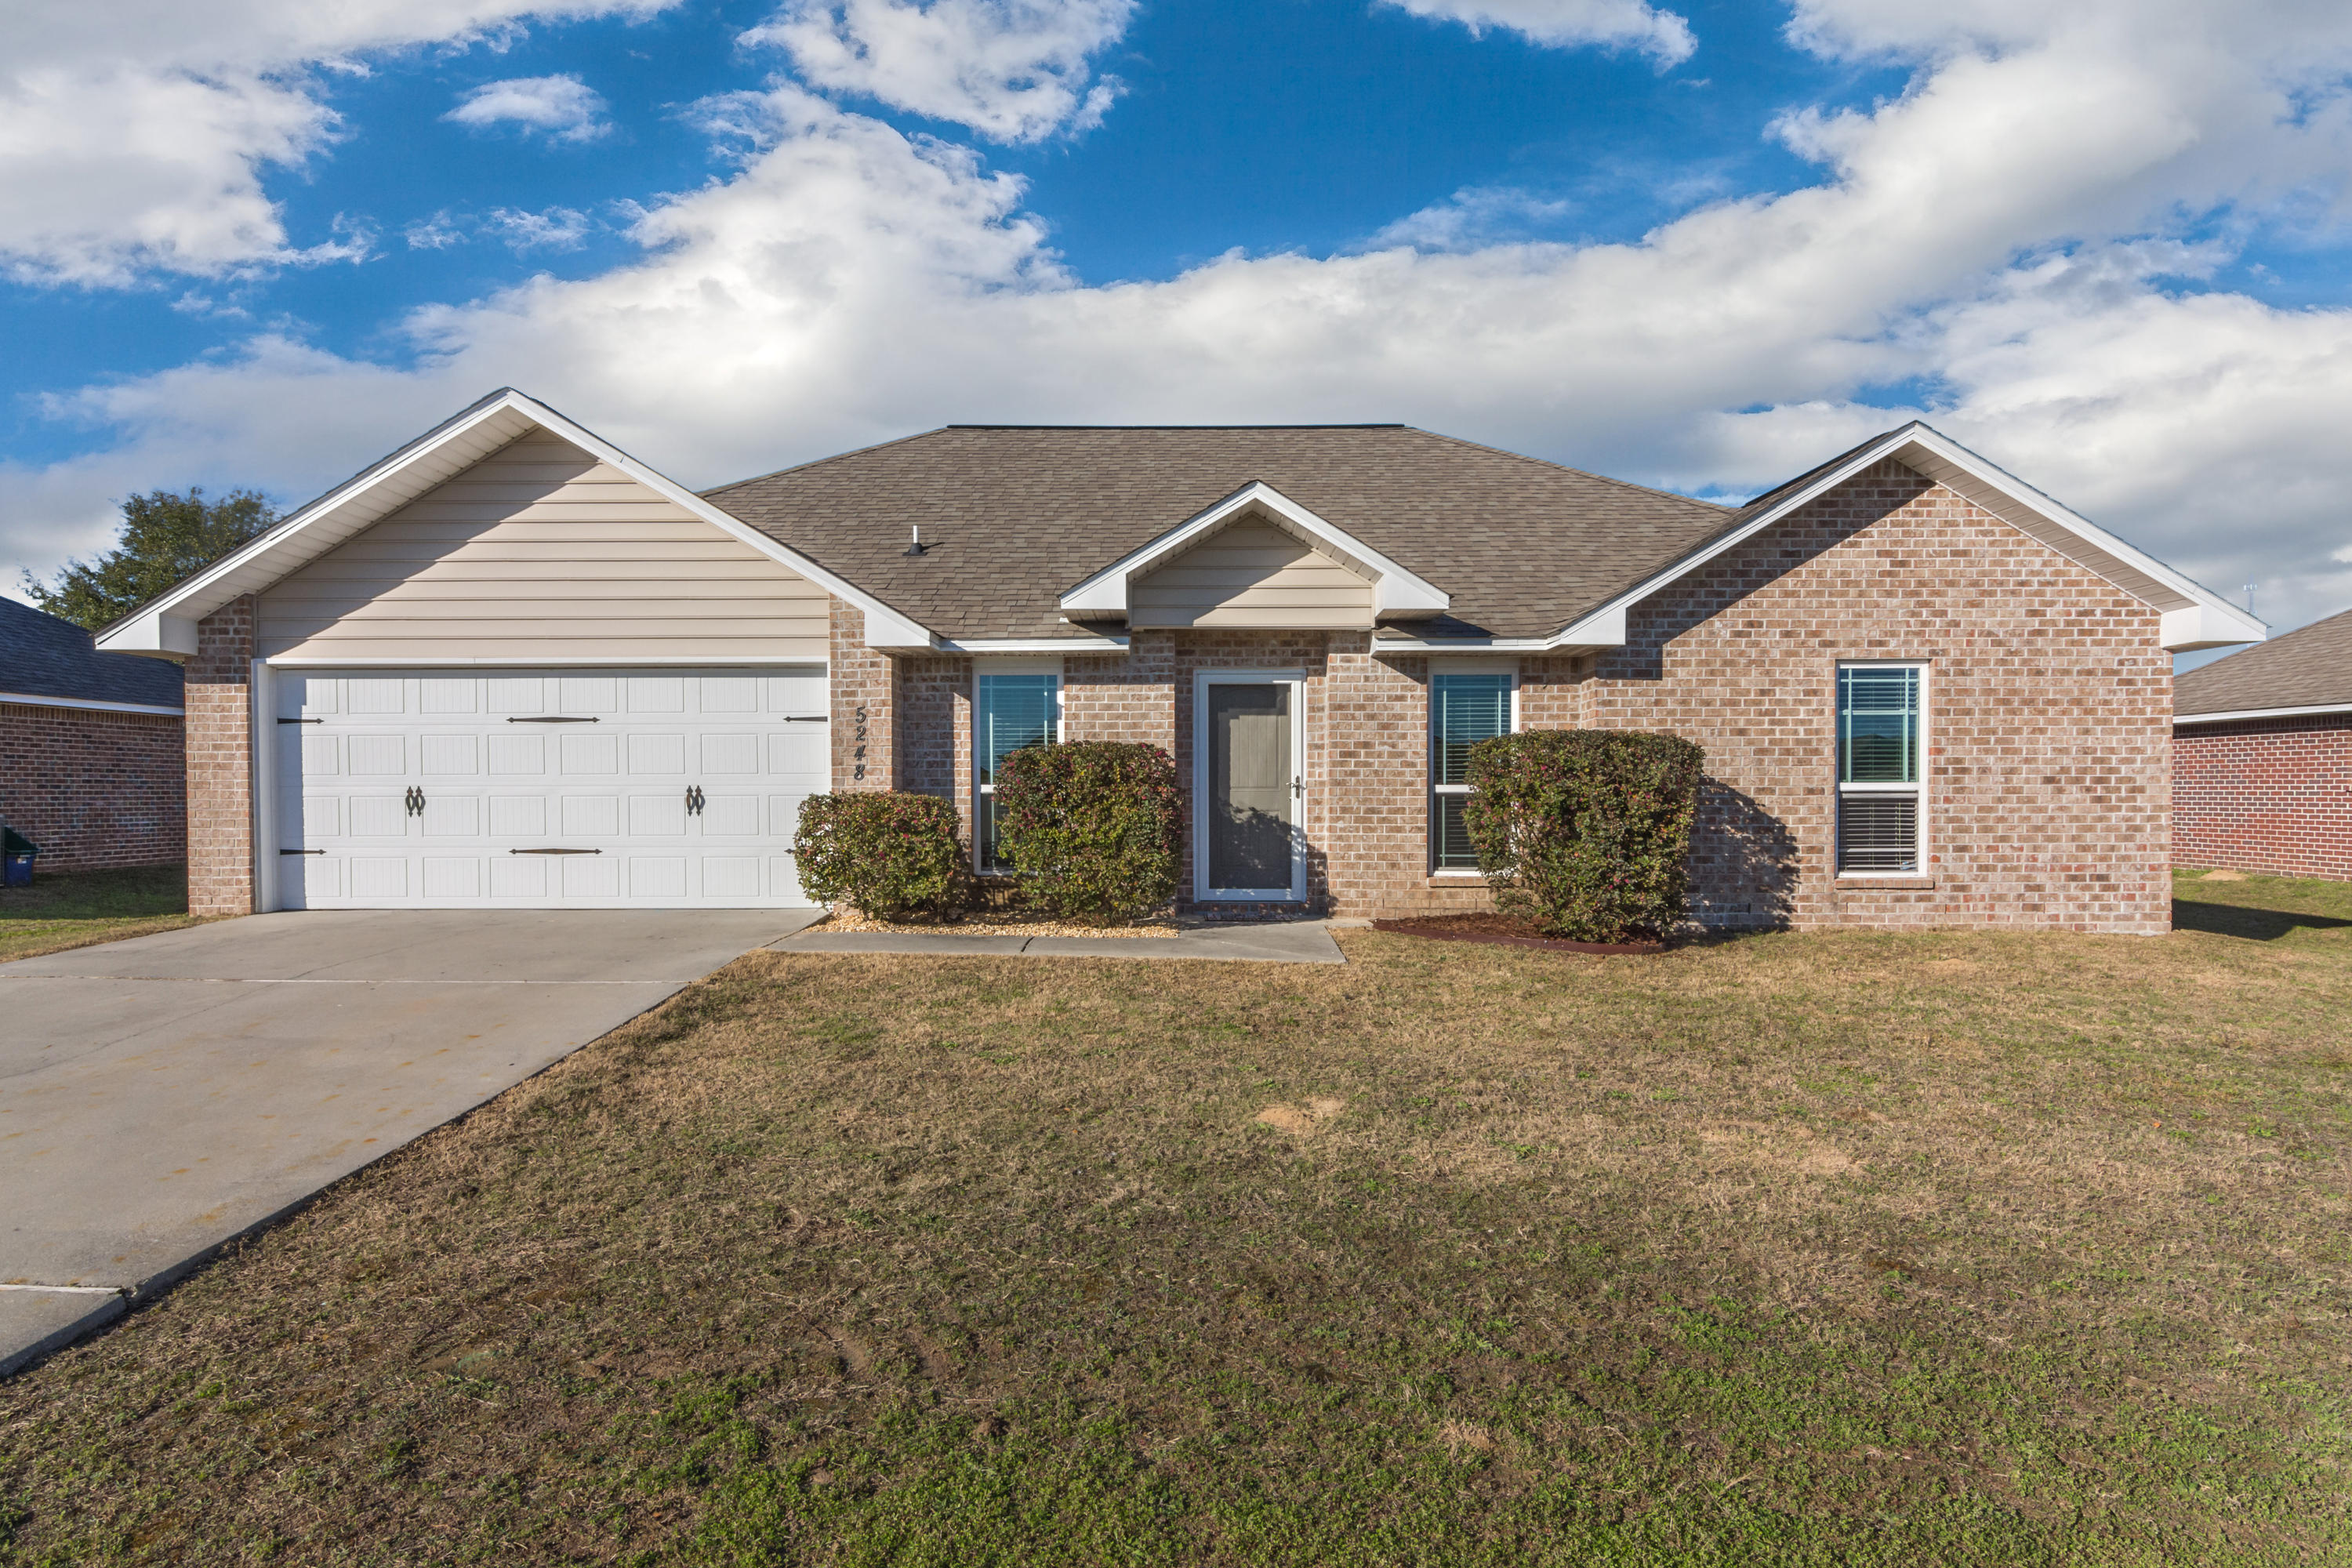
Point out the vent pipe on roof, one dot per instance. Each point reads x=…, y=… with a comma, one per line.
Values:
x=917, y=547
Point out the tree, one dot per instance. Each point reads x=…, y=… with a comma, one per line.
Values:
x=165, y=536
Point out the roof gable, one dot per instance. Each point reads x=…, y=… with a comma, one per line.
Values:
x=167, y=625
x=2306, y=670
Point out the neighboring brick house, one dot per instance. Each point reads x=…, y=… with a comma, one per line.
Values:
x=511, y=665
x=2261, y=757
x=90, y=765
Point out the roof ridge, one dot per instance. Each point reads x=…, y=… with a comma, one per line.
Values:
x=832, y=457
x=1568, y=468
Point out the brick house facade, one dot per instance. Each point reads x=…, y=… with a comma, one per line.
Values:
x=2261, y=757
x=91, y=749
x=1131, y=572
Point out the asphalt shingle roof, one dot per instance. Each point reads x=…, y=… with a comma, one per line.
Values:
x=2308, y=668
x=1015, y=516
x=44, y=656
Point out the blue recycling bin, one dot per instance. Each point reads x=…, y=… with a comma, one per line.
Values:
x=17, y=853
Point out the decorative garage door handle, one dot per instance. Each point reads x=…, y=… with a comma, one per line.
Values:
x=414, y=800
x=694, y=800
x=555, y=851
x=551, y=719
x=301, y=852
x=302, y=721
x=806, y=718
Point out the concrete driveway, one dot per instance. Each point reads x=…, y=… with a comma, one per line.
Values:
x=164, y=1095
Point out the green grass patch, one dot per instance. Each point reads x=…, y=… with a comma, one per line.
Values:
x=57, y=912
x=1856, y=1247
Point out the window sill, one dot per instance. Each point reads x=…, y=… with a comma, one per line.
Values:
x=1885, y=882
x=1455, y=879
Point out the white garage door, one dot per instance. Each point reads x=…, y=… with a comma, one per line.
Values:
x=574, y=789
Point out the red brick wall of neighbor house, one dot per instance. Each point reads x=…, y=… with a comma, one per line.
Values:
x=220, y=762
x=2265, y=794
x=94, y=789
x=2048, y=801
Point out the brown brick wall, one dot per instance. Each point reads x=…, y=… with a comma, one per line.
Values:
x=864, y=725
x=220, y=762
x=2265, y=794
x=94, y=789
x=2047, y=796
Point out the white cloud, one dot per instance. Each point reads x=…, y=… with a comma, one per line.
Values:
x=1473, y=217
x=1568, y=24
x=439, y=232
x=563, y=107
x=556, y=228
x=1013, y=70
x=2008, y=233
x=134, y=135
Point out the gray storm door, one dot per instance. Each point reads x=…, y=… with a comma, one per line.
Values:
x=1251, y=790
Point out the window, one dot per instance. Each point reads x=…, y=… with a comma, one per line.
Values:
x=1008, y=712
x=1464, y=709
x=1878, y=767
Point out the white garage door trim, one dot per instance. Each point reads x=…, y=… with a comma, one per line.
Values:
x=633, y=786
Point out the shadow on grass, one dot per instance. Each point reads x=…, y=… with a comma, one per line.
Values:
x=2253, y=924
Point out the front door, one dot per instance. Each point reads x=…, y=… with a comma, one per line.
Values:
x=1250, y=784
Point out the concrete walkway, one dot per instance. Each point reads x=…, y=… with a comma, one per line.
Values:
x=162, y=1096
x=1286, y=942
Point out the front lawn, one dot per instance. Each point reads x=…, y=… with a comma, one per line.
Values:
x=57, y=912
x=1841, y=1248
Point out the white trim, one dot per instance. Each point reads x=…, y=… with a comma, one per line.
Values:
x=2179, y=719
x=1918, y=790
x=262, y=754
x=167, y=624
x=1021, y=666
x=89, y=703
x=605, y=661
x=1086, y=645
x=1395, y=591
x=1202, y=680
x=2194, y=615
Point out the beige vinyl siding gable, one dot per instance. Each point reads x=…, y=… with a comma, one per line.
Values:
x=1255, y=575
x=540, y=552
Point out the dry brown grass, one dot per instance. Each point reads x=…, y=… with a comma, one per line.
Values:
x=1850, y=1248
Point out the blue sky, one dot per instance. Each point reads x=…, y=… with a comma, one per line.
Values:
x=1698, y=245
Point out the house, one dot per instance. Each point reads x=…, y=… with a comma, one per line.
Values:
x=90, y=763
x=2261, y=757
x=510, y=664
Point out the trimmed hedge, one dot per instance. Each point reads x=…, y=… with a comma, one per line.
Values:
x=1585, y=832
x=889, y=853
x=1094, y=828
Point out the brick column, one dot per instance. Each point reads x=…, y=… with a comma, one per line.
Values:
x=864, y=717
x=219, y=701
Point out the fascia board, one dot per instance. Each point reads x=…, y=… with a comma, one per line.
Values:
x=149, y=629
x=1395, y=590
x=2317, y=711
x=91, y=704
x=1033, y=645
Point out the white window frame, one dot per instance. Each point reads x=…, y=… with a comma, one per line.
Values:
x=1916, y=790
x=1202, y=680
x=1438, y=667
x=981, y=793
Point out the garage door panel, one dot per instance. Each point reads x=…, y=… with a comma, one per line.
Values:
x=596, y=755
x=448, y=756
x=377, y=815
x=418, y=790
x=518, y=756
x=453, y=877
x=378, y=695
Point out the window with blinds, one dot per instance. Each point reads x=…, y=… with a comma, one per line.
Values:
x=1008, y=712
x=1880, y=745
x=1464, y=709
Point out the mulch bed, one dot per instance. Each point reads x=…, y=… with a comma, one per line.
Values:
x=1504, y=931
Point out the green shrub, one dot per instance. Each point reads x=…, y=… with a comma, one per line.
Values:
x=891, y=854
x=1585, y=832
x=1094, y=828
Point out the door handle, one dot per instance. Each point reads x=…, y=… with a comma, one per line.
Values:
x=694, y=800
x=414, y=800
